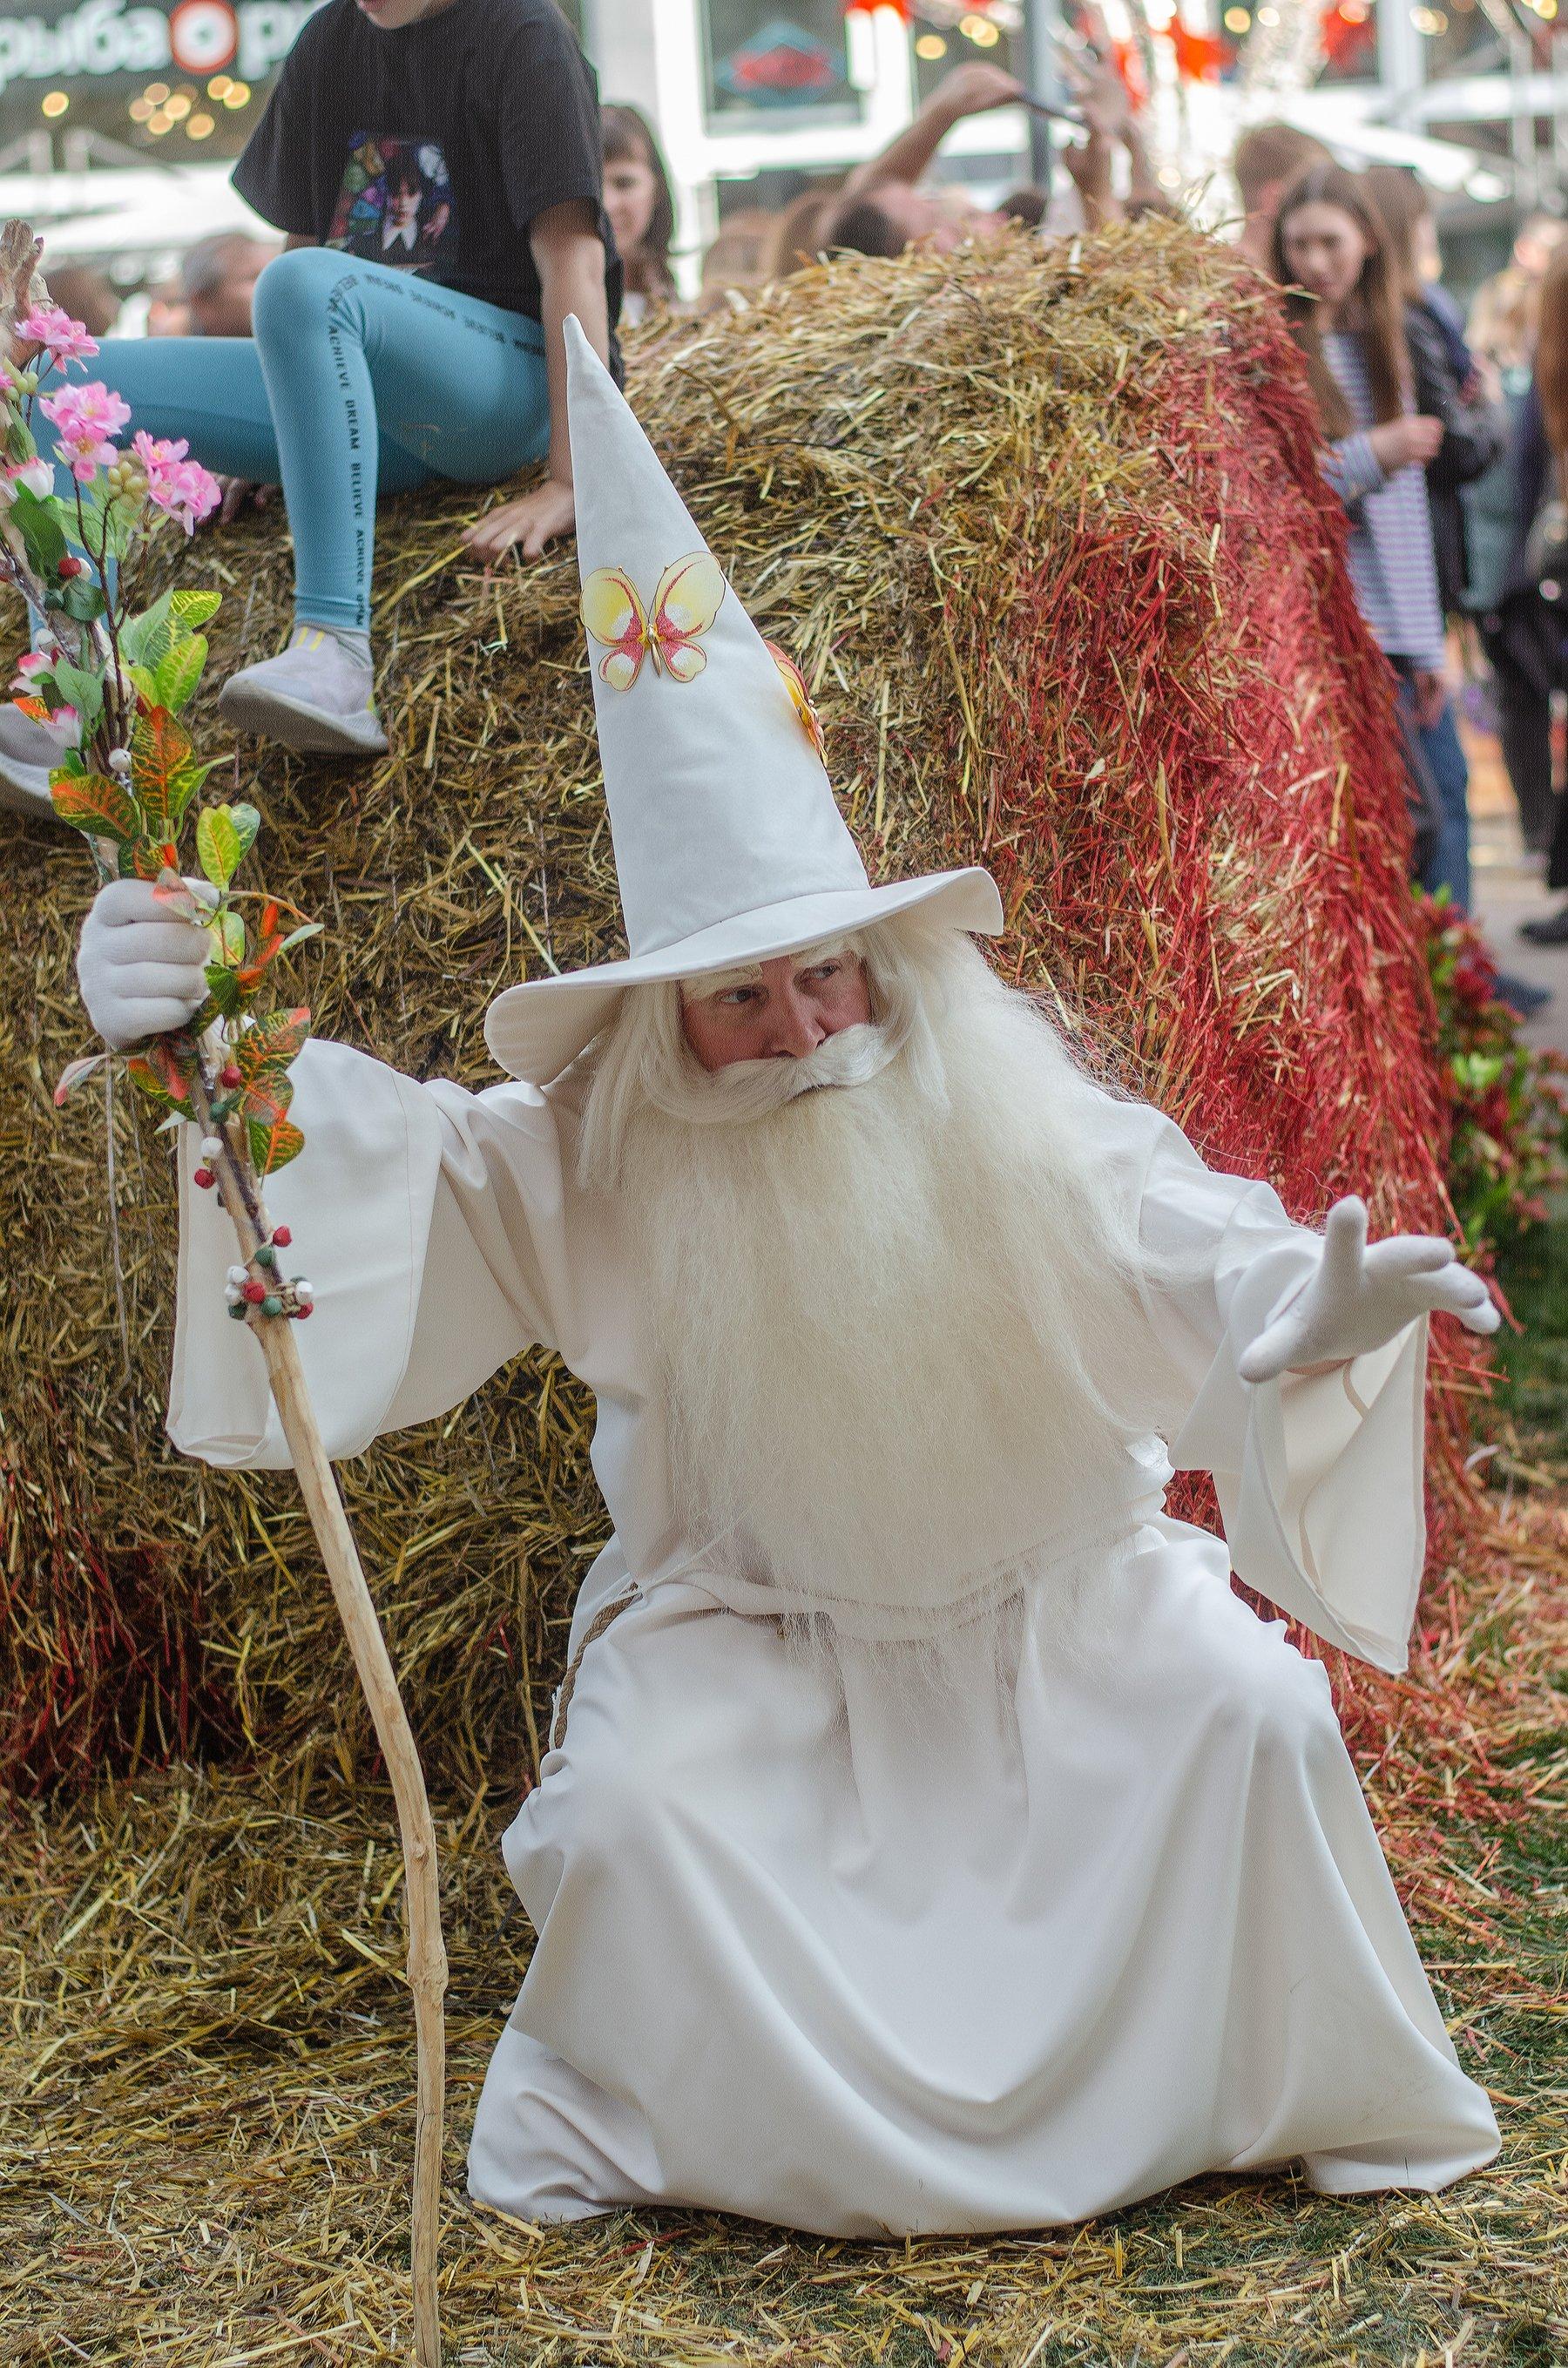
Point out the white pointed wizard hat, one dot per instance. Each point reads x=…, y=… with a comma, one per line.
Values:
x=728, y=845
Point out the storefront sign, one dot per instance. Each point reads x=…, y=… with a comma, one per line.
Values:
x=120, y=36
x=781, y=65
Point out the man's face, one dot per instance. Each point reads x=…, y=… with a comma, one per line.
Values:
x=782, y=1012
x=225, y=310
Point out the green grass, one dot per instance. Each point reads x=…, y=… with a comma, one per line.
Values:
x=1534, y=1360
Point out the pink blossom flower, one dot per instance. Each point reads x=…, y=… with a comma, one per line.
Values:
x=183, y=490
x=156, y=452
x=67, y=339
x=34, y=662
x=86, y=417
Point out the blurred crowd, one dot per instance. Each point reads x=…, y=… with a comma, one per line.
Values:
x=1445, y=430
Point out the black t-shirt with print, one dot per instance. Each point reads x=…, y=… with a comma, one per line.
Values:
x=432, y=148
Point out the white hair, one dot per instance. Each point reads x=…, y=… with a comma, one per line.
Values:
x=643, y=1059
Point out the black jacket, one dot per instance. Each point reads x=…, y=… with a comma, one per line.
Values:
x=1473, y=436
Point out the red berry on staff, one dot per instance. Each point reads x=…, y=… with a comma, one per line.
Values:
x=281, y=1237
x=229, y=1076
x=254, y=1292
x=70, y=567
x=205, y=1178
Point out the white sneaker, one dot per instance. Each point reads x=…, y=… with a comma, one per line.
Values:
x=318, y=697
x=27, y=755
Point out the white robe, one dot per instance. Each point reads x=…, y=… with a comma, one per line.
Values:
x=798, y=1957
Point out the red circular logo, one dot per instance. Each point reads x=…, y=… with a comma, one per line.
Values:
x=203, y=35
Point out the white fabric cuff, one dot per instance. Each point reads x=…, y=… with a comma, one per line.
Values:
x=1318, y=1477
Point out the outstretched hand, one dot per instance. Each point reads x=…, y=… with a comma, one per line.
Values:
x=1362, y=1296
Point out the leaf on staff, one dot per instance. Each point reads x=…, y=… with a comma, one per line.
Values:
x=149, y=858
x=232, y=934
x=164, y=770
x=265, y=1050
x=82, y=601
x=273, y=1142
x=190, y=900
x=98, y=804
x=218, y=846
x=223, y=988
x=165, y=1068
x=297, y=936
x=177, y=674
x=75, y=1074
x=191, y=609
x=80, y=690
x=39, y=528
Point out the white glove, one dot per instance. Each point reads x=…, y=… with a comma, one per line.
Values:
x=142, y=969
x=1360, y=1298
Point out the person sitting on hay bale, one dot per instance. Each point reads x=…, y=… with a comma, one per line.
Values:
x=928, y=1837
x=436, y=164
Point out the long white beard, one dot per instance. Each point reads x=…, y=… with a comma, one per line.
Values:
x=888, y=1319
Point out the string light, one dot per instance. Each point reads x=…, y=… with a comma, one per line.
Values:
x=158, y=123
x=157, y=92
x=178, y=108
x=220, y=86
x=237, y=94
x=199, y=126
x=53, y=102
x=930, y=45
x=1237, y=21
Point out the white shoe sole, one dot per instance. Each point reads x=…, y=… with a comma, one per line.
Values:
x=24, y=789
x=308, y=731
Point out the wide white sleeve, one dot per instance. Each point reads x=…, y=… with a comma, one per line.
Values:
x=1319, y=1480
x=430, y=1224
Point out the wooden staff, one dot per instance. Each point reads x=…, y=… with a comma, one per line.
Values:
x=426, y=1951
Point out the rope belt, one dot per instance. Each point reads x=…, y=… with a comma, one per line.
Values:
x=597, y=1626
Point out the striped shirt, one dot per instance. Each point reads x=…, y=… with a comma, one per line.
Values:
x=1391, y=562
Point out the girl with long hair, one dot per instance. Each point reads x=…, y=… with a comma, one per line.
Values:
x=1446, y=386
x=1541, y=462
x=1344, y=303
x=641, y=209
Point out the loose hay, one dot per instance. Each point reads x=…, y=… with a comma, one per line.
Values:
x=1048, y=535
x=210, y=2084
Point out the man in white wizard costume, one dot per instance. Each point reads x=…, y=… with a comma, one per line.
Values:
x=929, y=1838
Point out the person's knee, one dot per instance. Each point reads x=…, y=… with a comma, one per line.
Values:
x=295, y=286
x=1284, y=1703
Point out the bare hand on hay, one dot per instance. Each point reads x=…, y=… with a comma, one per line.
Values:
x=240, y=494
x=533, y=519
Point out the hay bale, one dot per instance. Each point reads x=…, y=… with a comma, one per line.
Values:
x=1047, y=533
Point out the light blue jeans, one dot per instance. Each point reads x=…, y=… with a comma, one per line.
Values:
x=1449, y=866
x=359, y=381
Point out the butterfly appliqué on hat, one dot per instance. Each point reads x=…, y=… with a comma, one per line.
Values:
x=685, y=604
